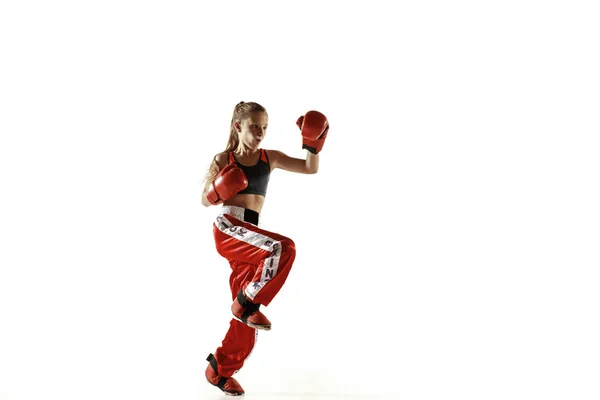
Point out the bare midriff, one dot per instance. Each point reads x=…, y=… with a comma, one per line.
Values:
x=250, y=201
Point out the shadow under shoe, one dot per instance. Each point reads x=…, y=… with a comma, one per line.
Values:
x=229, y=386
x=248, y=313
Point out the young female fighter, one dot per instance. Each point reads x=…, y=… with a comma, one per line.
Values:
x=260, y=260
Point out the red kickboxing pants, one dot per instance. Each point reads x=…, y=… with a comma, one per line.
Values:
x=260, y=263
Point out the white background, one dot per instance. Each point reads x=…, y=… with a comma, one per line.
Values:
x=448, y=248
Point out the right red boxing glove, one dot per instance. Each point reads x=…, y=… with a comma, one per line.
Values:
x=314, y=128
x=229, y=181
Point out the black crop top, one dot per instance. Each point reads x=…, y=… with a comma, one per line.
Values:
x=257, y=174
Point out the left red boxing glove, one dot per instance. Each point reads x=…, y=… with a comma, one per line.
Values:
x=314, y=128
x=229, y=181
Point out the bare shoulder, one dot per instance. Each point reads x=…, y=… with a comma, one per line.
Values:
x=275, y=157
x=272, y=154
x=221, y=160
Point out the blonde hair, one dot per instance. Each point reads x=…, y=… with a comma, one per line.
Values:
x=241, y=111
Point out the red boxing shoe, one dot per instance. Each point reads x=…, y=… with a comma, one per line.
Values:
x=229, y=386
x=248, y=313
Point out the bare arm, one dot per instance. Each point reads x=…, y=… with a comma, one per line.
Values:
x=310, y=165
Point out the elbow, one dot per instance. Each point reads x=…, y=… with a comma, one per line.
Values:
x=205, y=201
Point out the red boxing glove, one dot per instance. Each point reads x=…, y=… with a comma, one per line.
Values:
x=229, y=181
x=314, y=128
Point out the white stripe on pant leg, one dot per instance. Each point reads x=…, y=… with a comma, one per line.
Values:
x=270, y=265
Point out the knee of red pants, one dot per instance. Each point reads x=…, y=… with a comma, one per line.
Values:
x=288, y=249
x=287, y=255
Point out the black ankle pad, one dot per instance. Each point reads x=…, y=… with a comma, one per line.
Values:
x=249, y=308
x=213, y=362
x=242, y=299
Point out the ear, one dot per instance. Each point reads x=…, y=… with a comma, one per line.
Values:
x=237, y=126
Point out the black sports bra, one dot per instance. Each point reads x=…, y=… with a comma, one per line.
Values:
x=257, y=174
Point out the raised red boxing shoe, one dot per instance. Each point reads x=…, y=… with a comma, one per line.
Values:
x=247, y=312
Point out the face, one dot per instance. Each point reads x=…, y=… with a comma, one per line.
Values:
x=253, y=129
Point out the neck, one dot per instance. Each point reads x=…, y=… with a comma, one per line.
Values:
x=246, y=151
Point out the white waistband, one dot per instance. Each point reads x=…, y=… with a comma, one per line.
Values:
x=235, y=211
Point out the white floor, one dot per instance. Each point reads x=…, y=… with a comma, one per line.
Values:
x=296, y=396
x=264, y=390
